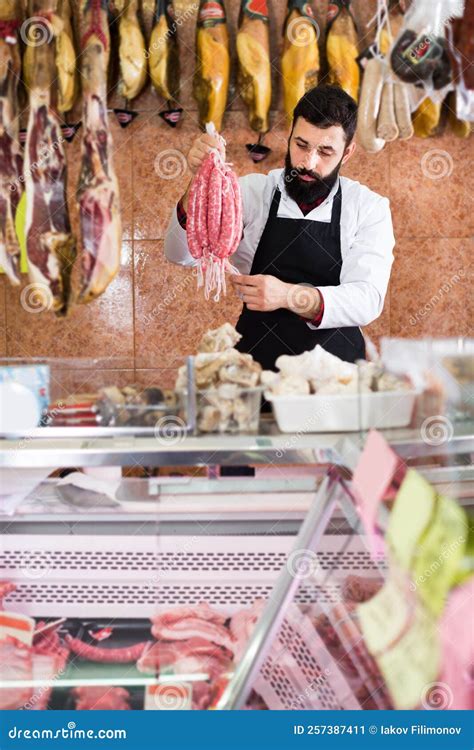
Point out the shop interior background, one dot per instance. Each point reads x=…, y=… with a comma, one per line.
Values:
x=152, y=315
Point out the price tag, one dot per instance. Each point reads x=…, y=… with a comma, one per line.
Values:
x=413, y=662
x=21, y=627
x=372, y=477
x=439, y=553
x=402, y=636
x=410, y=516
x=387, y=614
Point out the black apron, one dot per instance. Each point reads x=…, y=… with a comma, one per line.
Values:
x=297, y=251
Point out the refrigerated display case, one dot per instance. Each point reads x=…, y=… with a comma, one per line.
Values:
x=269, y=571
x=97, y=548
x=170, y=543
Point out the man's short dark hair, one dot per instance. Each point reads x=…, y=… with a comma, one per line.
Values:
x=327, y=105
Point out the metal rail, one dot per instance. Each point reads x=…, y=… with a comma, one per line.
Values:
x=204, y=450
x=239, y=688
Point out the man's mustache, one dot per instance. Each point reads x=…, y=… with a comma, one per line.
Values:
x=308, y=173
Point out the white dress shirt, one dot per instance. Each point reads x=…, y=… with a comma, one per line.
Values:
x=367, y=243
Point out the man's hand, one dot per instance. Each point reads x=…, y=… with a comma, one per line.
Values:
x=265, y=293
x=202, y=146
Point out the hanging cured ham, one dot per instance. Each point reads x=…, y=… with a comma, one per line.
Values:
x=58, y=25
x=164, y=53
x=11, y=187
x=341, y=47
x=97, y=191
x=132, y=52
x=464, y=44
x=300, y=60
x=211, y=77
x=65, y=57
x=148, y=8
x=253, y=51
x=51, y=247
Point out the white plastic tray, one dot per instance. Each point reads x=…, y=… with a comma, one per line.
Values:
x=343, y=412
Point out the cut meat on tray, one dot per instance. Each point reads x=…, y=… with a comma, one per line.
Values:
x=191, y=656
x=359, y=588
x=243, y=623
x=193, y=627
x=16, y=664
x=202, y=695
x=201, y=611
x=183, y=623
x=42, y=661
x=101, y=698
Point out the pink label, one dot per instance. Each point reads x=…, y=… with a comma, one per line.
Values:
x=371, y=480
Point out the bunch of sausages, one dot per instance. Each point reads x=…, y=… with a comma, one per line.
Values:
x=214, y=222
x=384, y=108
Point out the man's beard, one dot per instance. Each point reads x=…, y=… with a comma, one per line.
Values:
x=308, y=192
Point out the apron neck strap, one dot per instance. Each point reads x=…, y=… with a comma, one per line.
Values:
x=336, y=206
x=275, y=202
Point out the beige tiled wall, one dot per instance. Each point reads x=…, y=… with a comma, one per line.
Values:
x=129, y=329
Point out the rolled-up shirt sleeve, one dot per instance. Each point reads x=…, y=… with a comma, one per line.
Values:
x=365, y=273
